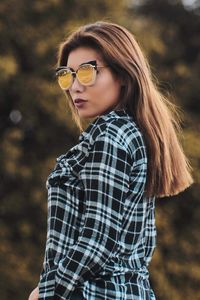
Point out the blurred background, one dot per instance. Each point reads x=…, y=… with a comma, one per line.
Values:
x=36, y=127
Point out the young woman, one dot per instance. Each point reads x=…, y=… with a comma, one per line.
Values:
x=101, y=194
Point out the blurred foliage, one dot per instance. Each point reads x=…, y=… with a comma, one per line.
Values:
x=36, y=127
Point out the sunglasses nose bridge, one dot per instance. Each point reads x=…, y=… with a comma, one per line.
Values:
x=73, y=73
x=76, y=84
x=73, y=77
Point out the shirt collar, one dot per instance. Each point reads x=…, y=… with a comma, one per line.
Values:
x=114, y=114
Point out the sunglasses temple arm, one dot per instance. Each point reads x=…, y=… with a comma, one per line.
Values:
x=60, y=68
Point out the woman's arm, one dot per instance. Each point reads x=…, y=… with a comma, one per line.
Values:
x=34, y=294
x=105, y=177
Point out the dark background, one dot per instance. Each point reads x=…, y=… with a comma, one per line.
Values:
x=36, y=127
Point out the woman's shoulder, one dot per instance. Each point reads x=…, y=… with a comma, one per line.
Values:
x=116, y=125
x=120, y=125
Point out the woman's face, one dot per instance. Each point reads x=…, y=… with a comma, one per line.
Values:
x=103, y=95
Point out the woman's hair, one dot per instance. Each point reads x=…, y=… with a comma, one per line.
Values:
x=168, y=171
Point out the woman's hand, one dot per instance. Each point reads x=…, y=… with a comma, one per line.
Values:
x=34, y=294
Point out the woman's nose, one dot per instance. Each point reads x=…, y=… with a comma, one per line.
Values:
x=77, y=86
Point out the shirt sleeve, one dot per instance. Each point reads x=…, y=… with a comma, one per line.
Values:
x=105, y=177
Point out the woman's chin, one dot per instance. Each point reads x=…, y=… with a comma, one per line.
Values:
x=87, y=114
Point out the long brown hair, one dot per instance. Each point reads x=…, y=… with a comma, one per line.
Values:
x=168, y=170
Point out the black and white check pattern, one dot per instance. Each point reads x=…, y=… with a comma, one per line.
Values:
x=101, y=229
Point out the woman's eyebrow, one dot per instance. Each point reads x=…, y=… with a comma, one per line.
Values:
x=89, y=62
x=93, y=62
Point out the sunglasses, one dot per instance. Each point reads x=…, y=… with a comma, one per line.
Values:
x=86, y=74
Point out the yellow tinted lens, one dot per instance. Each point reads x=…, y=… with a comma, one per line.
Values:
x=65, y=79
x=86, y=74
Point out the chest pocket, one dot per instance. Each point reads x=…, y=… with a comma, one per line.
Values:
x=68, y=166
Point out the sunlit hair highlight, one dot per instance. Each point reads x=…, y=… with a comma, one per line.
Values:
x=158, y=119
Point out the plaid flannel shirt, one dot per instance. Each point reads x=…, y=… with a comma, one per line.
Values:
x=101, y=230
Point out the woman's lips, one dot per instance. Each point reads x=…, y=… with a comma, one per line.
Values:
x=79, y=102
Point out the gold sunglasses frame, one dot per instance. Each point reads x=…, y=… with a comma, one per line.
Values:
x=74, y=73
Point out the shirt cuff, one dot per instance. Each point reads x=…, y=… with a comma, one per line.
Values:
x=50, y=288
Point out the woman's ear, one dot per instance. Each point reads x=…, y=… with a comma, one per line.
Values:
x=123, y=84
x=121, y=81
